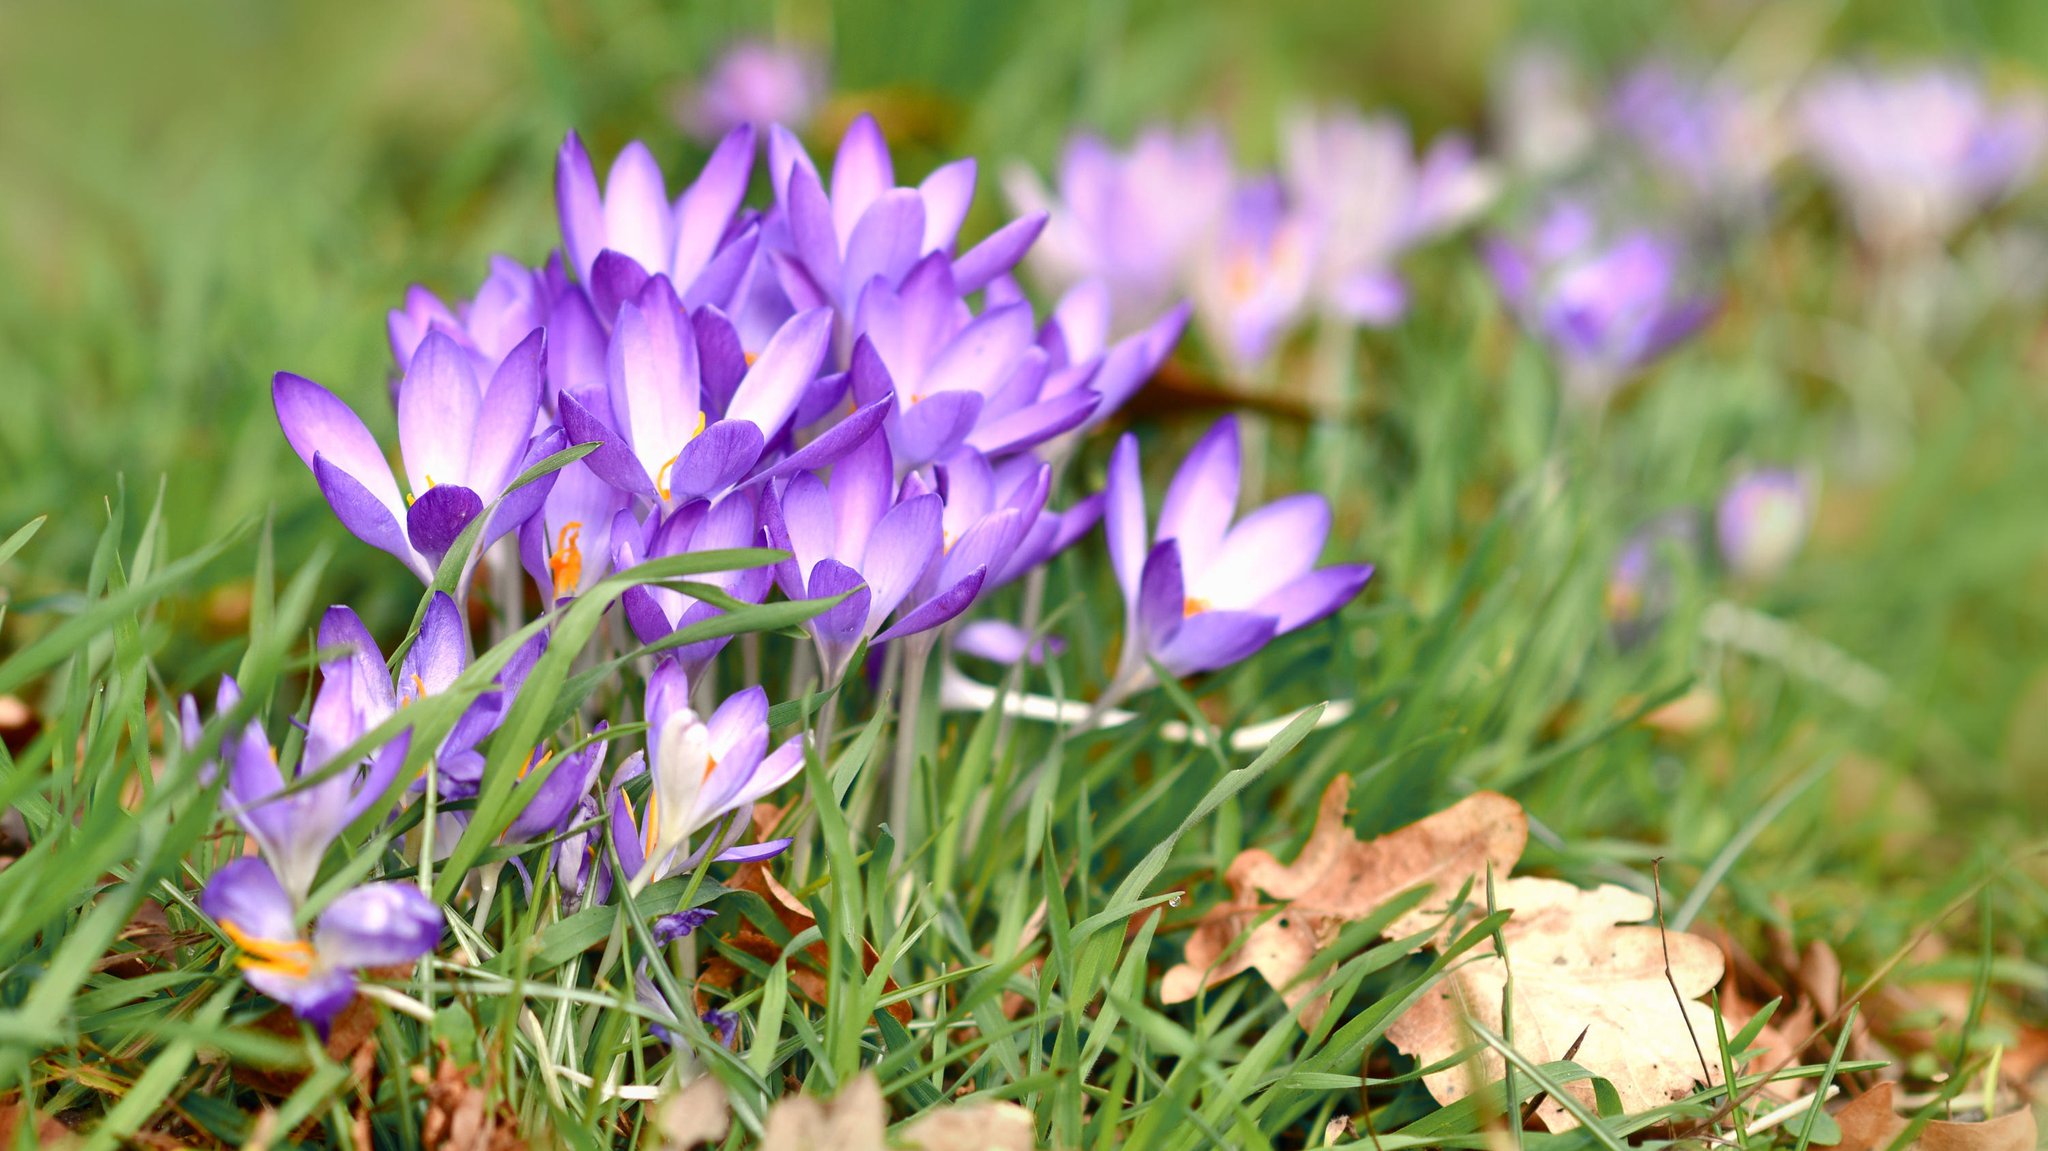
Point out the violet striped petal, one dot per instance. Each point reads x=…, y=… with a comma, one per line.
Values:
x=510, y=407
x=439, y=404
x=714, y=461
x=365, y=516
x=933, y=426
x=706, y=207
x=775, y=383
x=613, y=461
x=938, y=610
x=615, y=279
x=861, y=172
x=903, y=544
x=1202, y=499
x=998, y=253
x=1214, y=639
x=438, y=516
x=317, y=423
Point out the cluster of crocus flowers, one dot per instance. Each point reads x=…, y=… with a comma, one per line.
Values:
x=1260, y=253
x=833, y=373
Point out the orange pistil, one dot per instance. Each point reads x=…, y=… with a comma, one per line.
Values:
x=1193, y=606
x=566, y=564
x=292, y=958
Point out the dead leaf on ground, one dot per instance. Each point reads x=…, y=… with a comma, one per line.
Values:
x=722, y=973
x=1336, y=880
x=49, y=1132
x=1870, y=1122
x=1576, y=972
x=857, y=1118
x=461, y=1115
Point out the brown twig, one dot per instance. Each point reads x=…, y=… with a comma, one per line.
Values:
x=1664, y=941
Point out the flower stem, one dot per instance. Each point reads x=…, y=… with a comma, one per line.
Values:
x=916, y=658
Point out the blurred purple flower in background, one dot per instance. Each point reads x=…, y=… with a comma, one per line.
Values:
x=1543, y=112
x=757, y=83
x=1917, y=153
x=1252, y=284
x=1607, y=307
x=1720, y=140
x=1762, y=521
x=1642, y=584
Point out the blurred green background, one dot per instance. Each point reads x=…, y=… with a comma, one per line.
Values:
x=193, y=196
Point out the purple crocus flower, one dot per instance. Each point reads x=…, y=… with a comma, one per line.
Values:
x=567, y=545
x=1200, y=594
x=1607, y=308
x=513, y=301
x=1252, y=285
x=1762, y=520
x=375, y=925
x=956, y=378
x=294, y=831
x=850, y=532
x=617, y=239
x=726, y=1024
x=755, y=83
x=1543, y=112
x=1134, y=220
x=868, y=228
x=707, y=776
x=1917, y=153
x=462, y=443
x=674, y=441
x=1082, y=354
x=1720, y=141
x=656, y=612
x=1367, y=198
x=1642, y=583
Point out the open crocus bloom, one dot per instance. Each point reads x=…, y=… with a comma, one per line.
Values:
x=375, y=925
x=617, y=239
x=707, y=775
x=1762, y=521
x=294, y=831
x=1917, y=153
x=1253, y=281
x=869, y=228
x=1608, y=309
x=462, y=444
x=669, y=445
x=854, y=532
x=1368, y=198
x=1207, y=594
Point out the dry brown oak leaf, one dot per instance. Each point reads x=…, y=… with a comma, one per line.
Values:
x=1576, y=971
x=857, y=1118
x=1870, y=1123
x=1337, y=880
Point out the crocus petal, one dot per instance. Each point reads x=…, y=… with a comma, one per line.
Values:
x=715, y=460
x=651, y=375
x=798, y=521
x=775, y=383
x=1034, y=424
x=799, y=287
x=1162, y=595
x=740, y=714
x=438, y=654
x=377, y=925
x=885, y=242
x=903, y=544
x=1124, y=516
x=704, y=210
x=754, y=852
x=246, y=893
x=578, y=204
x=933, y=426
x=984, y=353
x=725, y=279
x=1000, y=641
x=1202, y=498
x=721, y=360
x=438, y=516
x=613, y=461
x=510, y=407
x=948, y=192
x=637, y=221
x=576, y=346
x=860, y=173
x=785, y=155
x=615, y=279
x=438, y=407
x=940, y=609
x=1214, y=639
x=364, y=515
x=837, y=440
x=998, y=253
x=1268, y=549
x=1375, y=299
x=863, y=488
x=317, y=423
x=1316, y=595
x=812, y=230
x=840, y=627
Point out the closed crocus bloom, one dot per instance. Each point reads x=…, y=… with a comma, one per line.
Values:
x=852, y=534
x=755, y=83
x=314, y=974
x=462, y=443
x=1132, y=220
x=868, y=228
x=1366, y=198
x=619, y=238
x=707, y=775
x=511, y=303
x=1200, y=593
x=1917, y=153
x=663, y=440
x=1607, y=308
x=1762, y=521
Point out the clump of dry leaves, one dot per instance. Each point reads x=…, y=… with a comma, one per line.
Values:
x=856, y=1119
x=1584, y=977
x=1871, y=1122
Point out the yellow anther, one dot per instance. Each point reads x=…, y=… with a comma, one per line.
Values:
x=1193, y=606
x=288, y=957
x=566, y=564
x=529, y=765
x=751, y=357
x=409, y=497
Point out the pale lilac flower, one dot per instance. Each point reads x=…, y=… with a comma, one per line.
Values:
x=758, y=84
x=616, y=240
x=1251, y=285
x=1917, y=153
x=1366, y=198
x=1720, y=141
x=1642, y=583
x=1200, y=594
x=513, y=301
x=375, y=925
x=1133, y=220
x=1762, y=521
x=1543, y=112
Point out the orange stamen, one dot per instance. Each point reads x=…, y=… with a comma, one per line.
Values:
x=566, y=564
x=1193, y=606
x=288, y=957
